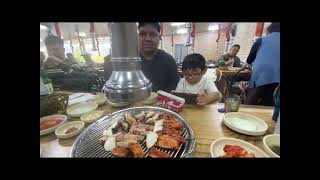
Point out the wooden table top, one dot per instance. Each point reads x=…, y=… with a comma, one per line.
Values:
x=206, y=122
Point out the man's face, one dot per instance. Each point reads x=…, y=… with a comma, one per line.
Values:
x=56, y=50
x=234, y=51
x=148, y=38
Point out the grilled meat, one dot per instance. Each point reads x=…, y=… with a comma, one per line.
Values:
x=126, y=143
x=137, y=129
x=137, y=150
x=141, y=116
x=172, y=123
x=131, y=120
x=155, y=153
x=168, y=142
x=120, y=152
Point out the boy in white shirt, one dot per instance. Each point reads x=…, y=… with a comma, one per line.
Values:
x=194, y=81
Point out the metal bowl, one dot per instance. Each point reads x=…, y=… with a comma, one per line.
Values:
x=87, y=145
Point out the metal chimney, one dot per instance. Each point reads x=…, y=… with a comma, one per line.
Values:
x=127, y=82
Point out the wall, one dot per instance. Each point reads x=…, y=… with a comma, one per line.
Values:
x=205, y=42
x=245, y=37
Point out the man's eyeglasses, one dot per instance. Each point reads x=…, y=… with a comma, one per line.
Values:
x=151, y=35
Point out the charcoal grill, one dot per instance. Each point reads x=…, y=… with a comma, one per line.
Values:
x=87, y=145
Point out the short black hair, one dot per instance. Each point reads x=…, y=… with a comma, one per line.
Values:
x=156, y=25
x=193, y=61
x=52, y=40
x=236, y=45
x=274, y=27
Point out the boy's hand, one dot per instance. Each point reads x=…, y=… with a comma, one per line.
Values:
x=243, y=85
x=202, y=99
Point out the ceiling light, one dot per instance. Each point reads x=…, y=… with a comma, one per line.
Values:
x=42, y=27
x=177, y=24
x=213, y=27
x=181, y=31
x=82, y=34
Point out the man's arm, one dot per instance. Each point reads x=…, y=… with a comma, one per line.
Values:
x=253, y=52
x=222, y=60
x=237, y=62
x=173, y=75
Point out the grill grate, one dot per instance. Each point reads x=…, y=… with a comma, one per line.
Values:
x=87, y=144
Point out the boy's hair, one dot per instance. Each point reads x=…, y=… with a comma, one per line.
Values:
x=193, y=61
x=156, y=25
x=236, y=45
x=53, y=40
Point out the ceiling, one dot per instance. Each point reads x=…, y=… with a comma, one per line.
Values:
x=68, y=29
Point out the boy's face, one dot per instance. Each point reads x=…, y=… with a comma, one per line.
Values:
x=193, y=76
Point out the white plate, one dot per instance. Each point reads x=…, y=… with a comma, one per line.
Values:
x=60, y=132
x=217, y=146
x=91, y=116
x=52, y=129
x=271, y=139
x=245, y=123
x=78, y=109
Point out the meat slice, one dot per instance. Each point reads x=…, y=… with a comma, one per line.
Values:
x=168, y=142
x=131, y=120
x=172, y=123
x=126, y=143
x=137, y=150
x=120, y=152
x=137, y=129
x=155, y=153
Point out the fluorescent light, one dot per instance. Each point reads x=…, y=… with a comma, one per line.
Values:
x=42, y=27
x=61, y=37
x=82, y=34
x=213, y=27
x=40, y=40
x=181, y=31
x=177, y=24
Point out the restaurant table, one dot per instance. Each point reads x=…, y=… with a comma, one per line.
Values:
x=242, y=76
x=206, y=122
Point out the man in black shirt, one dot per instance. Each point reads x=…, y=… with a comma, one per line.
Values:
x=157, y=65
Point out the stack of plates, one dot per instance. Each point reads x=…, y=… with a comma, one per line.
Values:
x=92, y=116
x=78, y=109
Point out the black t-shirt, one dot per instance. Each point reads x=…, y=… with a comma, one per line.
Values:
x=162, y=71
